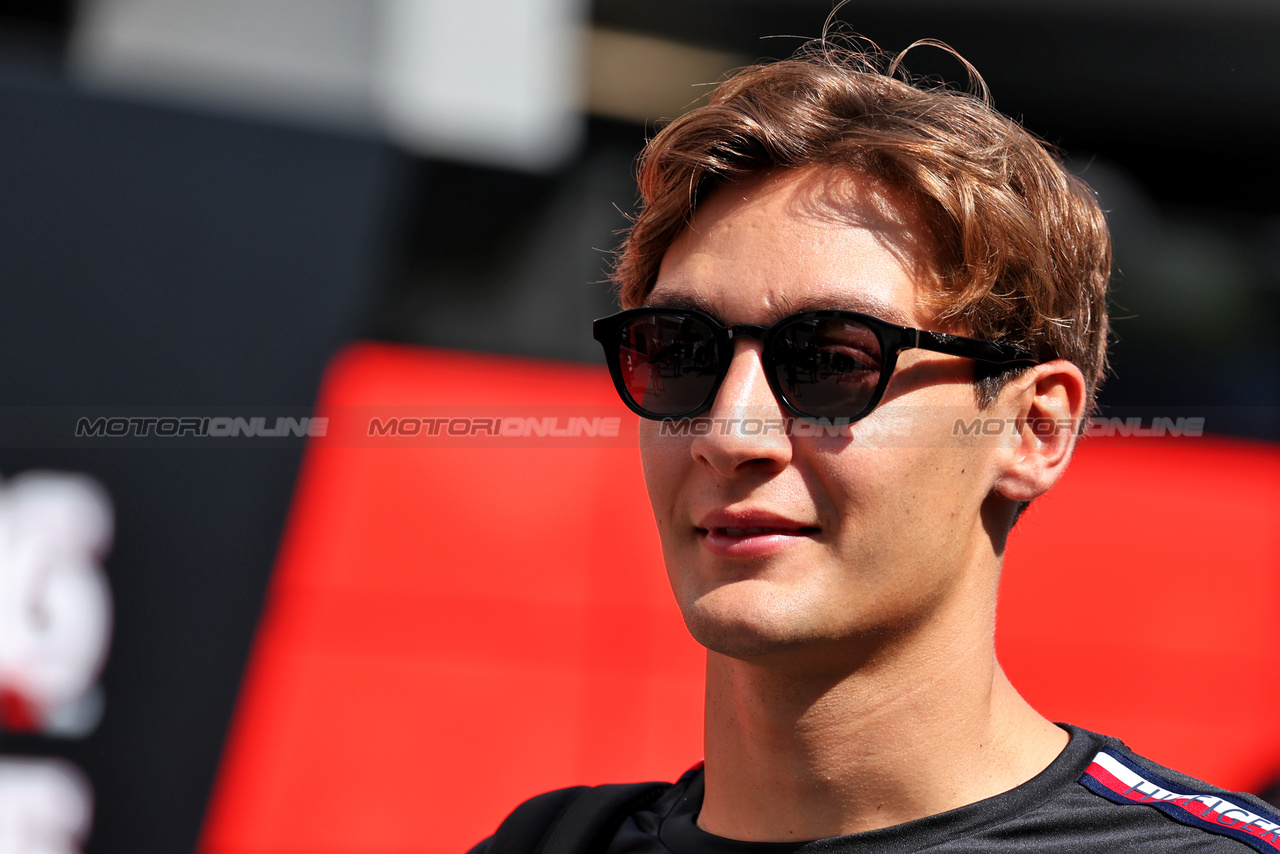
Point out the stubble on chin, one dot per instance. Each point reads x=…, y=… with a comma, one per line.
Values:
x=747, y=624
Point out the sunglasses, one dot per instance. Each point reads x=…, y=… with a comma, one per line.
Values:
x=668, y=363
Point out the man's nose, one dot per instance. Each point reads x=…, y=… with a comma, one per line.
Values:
x=748, y=425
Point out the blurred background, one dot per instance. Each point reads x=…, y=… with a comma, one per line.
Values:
x=203, y=201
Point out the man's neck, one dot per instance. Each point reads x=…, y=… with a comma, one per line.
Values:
x=792, y=758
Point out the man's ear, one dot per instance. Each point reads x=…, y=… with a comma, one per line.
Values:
x=1049, y=403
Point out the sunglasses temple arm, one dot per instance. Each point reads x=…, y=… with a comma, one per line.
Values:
x=970, y=348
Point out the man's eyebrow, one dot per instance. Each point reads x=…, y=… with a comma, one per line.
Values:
x=813, y=302
x=845, y=302
x=680, y=300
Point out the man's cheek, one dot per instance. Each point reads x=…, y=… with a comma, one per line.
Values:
x=664, y=463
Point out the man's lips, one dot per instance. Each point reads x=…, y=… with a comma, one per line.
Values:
x=750, y=534
x=758, y=532
x=762, y=531
x=748, y=523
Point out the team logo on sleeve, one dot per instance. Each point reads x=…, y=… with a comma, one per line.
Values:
x=1119, y=779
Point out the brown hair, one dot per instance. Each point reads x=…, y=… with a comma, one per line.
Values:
x=1024, y=251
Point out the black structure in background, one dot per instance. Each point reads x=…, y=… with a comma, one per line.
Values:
x=52, y=16
x=1170, y=112
x=1180, y=94
x=1171, y=117
x=156, y=257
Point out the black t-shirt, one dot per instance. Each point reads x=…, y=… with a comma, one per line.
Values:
x=1097, y=796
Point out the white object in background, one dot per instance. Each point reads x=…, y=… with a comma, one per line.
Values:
x=45, y=807
x=498, y=82
x=55, y=606
x=303, y=60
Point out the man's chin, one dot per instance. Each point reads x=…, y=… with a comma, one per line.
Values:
x=748, y=638
x=793, y=638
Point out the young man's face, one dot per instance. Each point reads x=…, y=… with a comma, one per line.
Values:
x=778, y=543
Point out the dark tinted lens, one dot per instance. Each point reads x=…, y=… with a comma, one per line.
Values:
x=828, y=367
x=668, y=362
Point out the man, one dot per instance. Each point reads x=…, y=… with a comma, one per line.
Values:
x=831, y=269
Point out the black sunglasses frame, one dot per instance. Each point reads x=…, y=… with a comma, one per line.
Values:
x=892, y=337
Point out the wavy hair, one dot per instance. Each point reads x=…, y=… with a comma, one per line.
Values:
x=1023, y=251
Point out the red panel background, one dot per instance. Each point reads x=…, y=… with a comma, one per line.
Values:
x=451, y=630
x=1141, y=597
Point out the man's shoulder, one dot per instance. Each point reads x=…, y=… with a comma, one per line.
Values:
x=1138, y=797
x=1098, y=795
x=570, y=820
